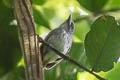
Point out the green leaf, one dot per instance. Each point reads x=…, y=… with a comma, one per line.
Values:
x=102, y=43
x=38, y=2
x=114, y=74
x=93, y=5
x=8, y=3
x=113, y=4
x=81, y=29
x=77, y=53
x=39, y=18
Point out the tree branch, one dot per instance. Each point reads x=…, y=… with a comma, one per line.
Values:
x=28, y=40
x=111, y=10
x=69, y=59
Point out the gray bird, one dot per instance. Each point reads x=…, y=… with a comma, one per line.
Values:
x=59, y=38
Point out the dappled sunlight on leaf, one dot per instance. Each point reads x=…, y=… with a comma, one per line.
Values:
x=76, y=39
x=84, y=76
x=114, y=74
x=41, y=30
x=21, y=62
x=88, y=76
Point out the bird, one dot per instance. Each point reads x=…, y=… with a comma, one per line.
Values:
x=60, y=39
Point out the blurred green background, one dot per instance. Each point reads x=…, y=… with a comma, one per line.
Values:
x=49, y=14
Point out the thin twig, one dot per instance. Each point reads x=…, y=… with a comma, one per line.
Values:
x=111, y=10
x=97, y=14
x=69, y=59
x=82, y=18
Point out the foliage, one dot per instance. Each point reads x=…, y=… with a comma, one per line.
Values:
x=95, y=40
x=101, y=40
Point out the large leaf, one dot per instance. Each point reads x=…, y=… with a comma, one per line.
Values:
x=102, y=43
x=93, y=5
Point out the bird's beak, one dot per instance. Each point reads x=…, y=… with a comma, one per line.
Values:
x=70, y=19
